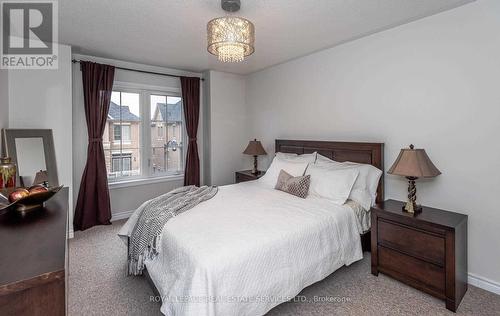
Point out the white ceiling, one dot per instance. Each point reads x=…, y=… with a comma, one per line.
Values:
x=172, y=33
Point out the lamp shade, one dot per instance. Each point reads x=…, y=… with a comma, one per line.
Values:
x=254, y=148
x=413, y=162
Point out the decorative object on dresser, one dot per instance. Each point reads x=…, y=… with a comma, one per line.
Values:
x=7, y=173
x=247, y=175
x=32, y=150
x=41, y=177
x=33, y=252
x=413, y=164
x=25, y=200
x=255, y=149
x=427, y=251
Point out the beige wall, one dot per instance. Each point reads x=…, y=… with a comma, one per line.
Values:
x=227, y=130
x=126, y=199
x=42, y=99
x=434, y=83
x=4, y=99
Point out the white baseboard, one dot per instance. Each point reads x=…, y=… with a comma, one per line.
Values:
x=484, y=283
x=115, y=216
x=71, y=234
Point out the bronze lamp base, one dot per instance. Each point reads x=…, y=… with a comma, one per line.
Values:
x=255, y=170
x=412, y=208
x=411, y=205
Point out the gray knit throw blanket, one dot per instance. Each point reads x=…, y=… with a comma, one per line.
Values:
x=145, y=239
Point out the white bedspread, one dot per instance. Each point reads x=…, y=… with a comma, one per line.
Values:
x=249, y=249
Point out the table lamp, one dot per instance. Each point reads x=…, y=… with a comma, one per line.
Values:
x=255, y=149
x=413, y=164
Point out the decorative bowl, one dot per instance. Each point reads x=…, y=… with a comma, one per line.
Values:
x=26, y=204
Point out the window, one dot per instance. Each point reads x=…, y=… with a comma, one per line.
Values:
x=121, y=162
x=144, y=134
x=167, y=152
x=117, y=132
x=121, y=132
x=160, y=132
x=122, y=136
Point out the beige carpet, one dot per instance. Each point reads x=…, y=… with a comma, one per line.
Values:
x=98, y=285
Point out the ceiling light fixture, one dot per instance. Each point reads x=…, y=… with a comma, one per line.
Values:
x=230, y=38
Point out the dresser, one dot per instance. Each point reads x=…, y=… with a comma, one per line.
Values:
x=247, y=175
x=33, y=260
x=427, y=251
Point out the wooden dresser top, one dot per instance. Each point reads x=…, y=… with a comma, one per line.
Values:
x=428, y=215
x=34, y=245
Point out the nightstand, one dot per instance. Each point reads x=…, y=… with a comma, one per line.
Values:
x=427, y=251
x=247, y=175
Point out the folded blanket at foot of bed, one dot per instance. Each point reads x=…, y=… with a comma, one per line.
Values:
x=152, y=217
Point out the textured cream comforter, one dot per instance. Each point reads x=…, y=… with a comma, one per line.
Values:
x=249, y=249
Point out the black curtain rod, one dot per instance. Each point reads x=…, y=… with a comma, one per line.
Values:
x=137, y=70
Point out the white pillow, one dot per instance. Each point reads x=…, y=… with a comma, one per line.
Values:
x=364, y=190
x=320, y=158
x=294, y=168
x=310, y=158
x=331, y=183
x=373, y=175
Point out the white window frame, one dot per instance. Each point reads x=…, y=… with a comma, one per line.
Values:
x=145, y=92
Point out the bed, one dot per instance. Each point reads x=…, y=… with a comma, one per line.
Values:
x=250, y=247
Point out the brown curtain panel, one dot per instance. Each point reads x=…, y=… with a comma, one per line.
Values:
x=93, y=205
x=191, y=102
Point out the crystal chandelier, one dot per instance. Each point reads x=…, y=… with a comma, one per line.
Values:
x=230, y=38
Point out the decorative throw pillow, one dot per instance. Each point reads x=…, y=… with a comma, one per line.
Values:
x=298, y=186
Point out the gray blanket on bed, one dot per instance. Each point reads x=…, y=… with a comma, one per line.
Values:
x=154, y=214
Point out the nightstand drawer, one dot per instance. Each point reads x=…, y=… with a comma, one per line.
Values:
x=418, y=243
x=429, y=277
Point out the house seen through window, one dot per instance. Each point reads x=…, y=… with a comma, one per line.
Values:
x=144, y=135
x=167, y=133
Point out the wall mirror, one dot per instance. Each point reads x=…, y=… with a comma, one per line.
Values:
x=32, y=150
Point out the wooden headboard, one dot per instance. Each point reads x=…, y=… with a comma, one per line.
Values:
x=368, y=153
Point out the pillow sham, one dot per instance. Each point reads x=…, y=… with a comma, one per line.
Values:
x=294, y=168
x=364, y=190
x=298, y=186
x=311, y=158
x=373, y=175
x=331, y=183
x=320, y=158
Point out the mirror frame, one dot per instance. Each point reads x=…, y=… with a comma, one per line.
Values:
x=10, y=135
